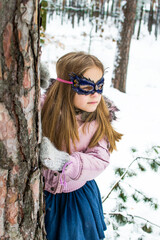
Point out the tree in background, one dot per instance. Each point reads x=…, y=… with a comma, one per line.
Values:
x=140, y=20
x=123, y=46
x=21, y=199
x=157, y=20
x=151, y=17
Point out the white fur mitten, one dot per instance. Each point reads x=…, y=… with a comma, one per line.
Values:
x=51, y=157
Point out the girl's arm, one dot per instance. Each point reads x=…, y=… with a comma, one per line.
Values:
x=87, y=165
x=79, y=166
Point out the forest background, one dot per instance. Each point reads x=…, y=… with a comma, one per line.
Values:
x=96, y=27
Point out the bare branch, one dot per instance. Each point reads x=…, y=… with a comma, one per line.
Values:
x=126, y=171
x=133, y=216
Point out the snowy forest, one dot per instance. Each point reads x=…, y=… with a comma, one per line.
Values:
x=126, y=18
x=102, y=28
x=146, y=12
x=125, y=36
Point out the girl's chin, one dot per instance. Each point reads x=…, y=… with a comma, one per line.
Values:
x=90, y=110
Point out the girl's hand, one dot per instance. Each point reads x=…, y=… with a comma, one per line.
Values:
x=51, y=157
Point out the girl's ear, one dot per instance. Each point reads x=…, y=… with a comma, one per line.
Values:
x=44, y=75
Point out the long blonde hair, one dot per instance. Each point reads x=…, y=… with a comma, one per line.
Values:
x=58, y=114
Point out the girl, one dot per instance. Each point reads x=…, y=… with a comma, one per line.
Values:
x=76, y=145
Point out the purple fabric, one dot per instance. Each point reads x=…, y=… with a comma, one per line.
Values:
x=63, y=174
x=85, y=163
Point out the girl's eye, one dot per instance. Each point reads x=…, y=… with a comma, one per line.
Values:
x=86, y=87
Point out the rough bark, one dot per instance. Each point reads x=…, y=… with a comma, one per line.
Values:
x=123, y=46
x=21, y=199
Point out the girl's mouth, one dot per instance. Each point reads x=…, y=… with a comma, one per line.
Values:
x=92, y=102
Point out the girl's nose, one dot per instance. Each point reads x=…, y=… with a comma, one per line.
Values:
x=95, y=94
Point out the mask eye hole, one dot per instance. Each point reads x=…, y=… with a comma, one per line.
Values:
x=100, y=86
x=86, y=88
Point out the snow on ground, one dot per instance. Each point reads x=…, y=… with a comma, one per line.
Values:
x=139, y=116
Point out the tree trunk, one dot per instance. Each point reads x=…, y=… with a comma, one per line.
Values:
x=117, y=12
x=123, y=46
x=107, y=14
x=150, y=19
x=157, y=20
x=21, y=195
x=140, y=20
x=112, y=8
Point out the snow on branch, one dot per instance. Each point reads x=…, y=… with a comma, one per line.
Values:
x=133, y=216
x=126, y=171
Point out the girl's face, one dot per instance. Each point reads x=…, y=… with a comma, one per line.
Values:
x=89, y=102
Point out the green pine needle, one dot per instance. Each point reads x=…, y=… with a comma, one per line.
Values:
x=141, y=167
x=147, y=229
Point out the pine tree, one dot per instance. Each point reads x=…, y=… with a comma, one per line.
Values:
x=125, y=194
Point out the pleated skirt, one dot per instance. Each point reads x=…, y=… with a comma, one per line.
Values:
x=76, y=215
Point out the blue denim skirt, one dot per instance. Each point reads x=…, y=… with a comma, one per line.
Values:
x=76, y=215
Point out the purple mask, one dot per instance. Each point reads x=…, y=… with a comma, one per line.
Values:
x=82, y=85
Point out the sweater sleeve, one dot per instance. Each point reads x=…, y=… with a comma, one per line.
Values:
x=87, y=165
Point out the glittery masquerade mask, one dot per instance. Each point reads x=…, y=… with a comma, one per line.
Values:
x=82, y=85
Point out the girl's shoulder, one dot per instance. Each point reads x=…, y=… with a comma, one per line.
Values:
x=112, y=108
